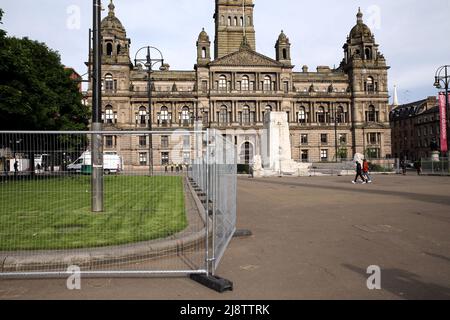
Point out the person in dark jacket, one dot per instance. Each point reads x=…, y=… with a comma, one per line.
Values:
x=359, y=173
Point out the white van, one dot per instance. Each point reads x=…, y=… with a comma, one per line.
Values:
x=112, y=163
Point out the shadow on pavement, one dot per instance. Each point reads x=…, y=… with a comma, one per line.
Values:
x=406, y=285
x=443, y=200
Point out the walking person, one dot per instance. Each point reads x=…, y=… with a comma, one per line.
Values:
x=403, y=166
x=16, y=168
x=359, y=173
x=366, y=171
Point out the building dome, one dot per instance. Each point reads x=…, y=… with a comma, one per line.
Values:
x=203, y=36
x=361, y=29
x=111, y=22
x=282, y=37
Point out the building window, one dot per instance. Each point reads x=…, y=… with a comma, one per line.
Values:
x=305, y=155
x=185, y=116
x=165, y=142
x=343, y=138
x=242, y=22
x=340, y=115
x=186, y=157
x=143, y=158
x=109, y=49
x=223, y=115
x=110, y=116
x=109, y=83
x=164, y=115
x=142, y=116
x=286, y=87
x=370, y=85
x=186, y=142
x=142, y=141
x=245, y=85
x=372, y=114
x=109, y=142
x=246, y=115
x=302, y=115
x=267, y=83
x=373, y=153
x=321, y=115
x=375, y=138
x=223, y=83
x=323, y=155
x=324, y=138
x=235, y=21
x=229, y=21
x=164, y=158
x=304, y=139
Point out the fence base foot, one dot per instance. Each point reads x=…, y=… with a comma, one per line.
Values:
x=240, y=233
x=213, y=282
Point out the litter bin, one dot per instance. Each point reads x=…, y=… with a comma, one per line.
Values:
x=86, y=169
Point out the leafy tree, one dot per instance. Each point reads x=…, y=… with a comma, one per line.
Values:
x=36, y=91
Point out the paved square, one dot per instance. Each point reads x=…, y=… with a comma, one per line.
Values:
x=313, y=238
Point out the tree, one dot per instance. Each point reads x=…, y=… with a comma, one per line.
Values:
x=36, y=91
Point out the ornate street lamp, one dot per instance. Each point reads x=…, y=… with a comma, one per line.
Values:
x=149, y=62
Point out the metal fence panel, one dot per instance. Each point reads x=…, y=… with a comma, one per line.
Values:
x=436, y=167
x=151, y=224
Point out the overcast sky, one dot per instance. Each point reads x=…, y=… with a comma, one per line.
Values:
x=412, y=34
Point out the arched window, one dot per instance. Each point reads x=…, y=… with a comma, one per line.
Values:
x=370, y=84
x=242, y=21
x=245, y=86
x=109, y=82
x=302, y=115
x=235, y=21
x=185, y=116
x=284, y=54
x=109, y=114
x=109, y=49
x=203, y=53
x=267, y=83
x=246, y=115
x=247, y=153
x=222, y=20
x=321, y=115
x=229, y=21
x=223, y=83
x=368, y=53
x=164, y=115
x=223, y=115
x=249, y=21
x=142, y=116
x=118, y=49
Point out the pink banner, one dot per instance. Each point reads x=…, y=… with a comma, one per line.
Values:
x=443, y=122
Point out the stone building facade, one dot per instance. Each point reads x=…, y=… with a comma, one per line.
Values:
x=332, y=112
x=415, y=127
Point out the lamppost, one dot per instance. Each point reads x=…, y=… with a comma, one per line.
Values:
x=335, y=135
x=149, y=62
x=443, y=77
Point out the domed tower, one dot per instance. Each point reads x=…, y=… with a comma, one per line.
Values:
x=115, y=44
x=203, y=49
x=283, y=49
x=368, y=75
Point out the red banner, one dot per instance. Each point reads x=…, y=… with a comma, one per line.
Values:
x=443, y=122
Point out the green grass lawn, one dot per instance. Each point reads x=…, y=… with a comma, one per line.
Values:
x=55, y=213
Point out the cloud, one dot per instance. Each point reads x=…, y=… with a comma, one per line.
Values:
x=410, y=32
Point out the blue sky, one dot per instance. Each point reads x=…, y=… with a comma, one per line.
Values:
x=410, y=32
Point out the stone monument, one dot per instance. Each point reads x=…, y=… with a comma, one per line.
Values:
x=276, y=156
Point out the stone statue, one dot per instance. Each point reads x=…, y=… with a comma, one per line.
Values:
x=257, y=163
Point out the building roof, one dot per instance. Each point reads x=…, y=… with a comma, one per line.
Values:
x=412, y=109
